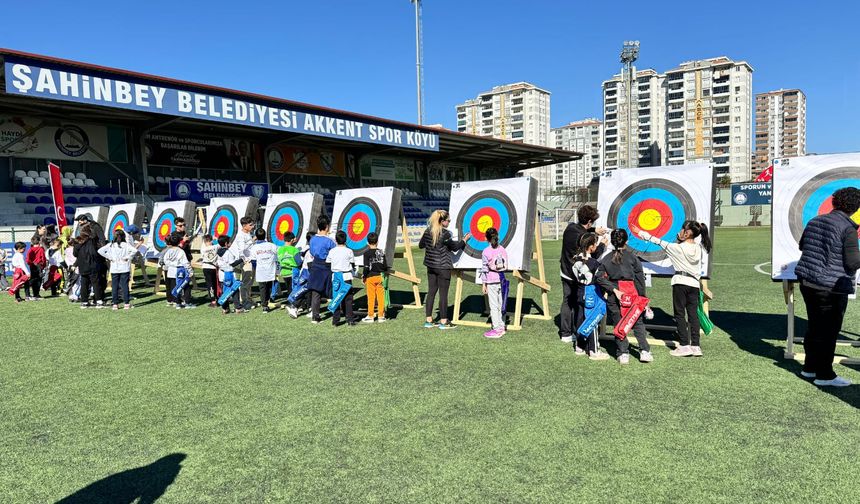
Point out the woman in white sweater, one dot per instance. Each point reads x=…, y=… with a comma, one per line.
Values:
x=120, y=253
x=686, y=258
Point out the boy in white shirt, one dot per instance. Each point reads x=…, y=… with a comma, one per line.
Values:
x=266, y=255
x=342, y=261
x=241, y=247
x=209, y=259
x=20, y=270
x=171, y=259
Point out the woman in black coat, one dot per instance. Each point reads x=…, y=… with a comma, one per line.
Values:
x=88, y=261
x=439, y=246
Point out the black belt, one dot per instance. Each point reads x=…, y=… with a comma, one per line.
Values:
x=684, y=273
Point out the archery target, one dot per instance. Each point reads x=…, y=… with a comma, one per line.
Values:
x=291, y=212
x=657, y=200
x=95, y=213
x=123, y=216
x=507, y=205
x=358, y=212
x=803, y=188
x=224, y=215
x=164, y=221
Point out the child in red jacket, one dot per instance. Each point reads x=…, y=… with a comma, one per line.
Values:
x=36, y=260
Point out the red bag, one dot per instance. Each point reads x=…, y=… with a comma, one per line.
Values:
x=632, y=306
x=54, y=277
x=18, y=280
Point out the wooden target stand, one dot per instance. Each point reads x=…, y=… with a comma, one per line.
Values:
x=522, y=278
x=195, y=279
x=410, y=275
x=790, y=338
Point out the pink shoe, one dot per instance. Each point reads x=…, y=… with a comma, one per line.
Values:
x=494, y=334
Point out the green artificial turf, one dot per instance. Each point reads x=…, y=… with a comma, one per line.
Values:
x=263, y=408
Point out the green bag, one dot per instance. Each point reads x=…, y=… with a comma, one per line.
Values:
x=704, y=321
x=385, y=286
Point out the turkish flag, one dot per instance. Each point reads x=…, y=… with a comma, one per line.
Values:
x=766, y=175
x=57, y=193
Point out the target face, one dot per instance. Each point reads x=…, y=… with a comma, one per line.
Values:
x=162, y=226
x=360, y=217
x=484, y=210
x=658, y=206
x=120, y=220
x=815, y=197
x=286, y=216
x=224, y=221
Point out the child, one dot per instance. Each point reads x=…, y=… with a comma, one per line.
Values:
x=319, y=282
x=55, y=262
x=229, y=265
x=686, y=257
x=119, y=253
x=584, y=268
x=494, y=260
x=4, y=283
x=622, y=265
x=266, y=256
x=20, y=270
x=300, y=300
x=342, y=260
x=287, y=260
x=72, y=282
x=37, y=261
x=209, y=259
x=374, y=267
x=171, y=259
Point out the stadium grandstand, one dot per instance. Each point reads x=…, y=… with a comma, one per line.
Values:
x=121, y=136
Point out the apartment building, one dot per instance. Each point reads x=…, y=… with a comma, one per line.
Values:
x=780, y=127
x=580, y=136
x=646, y=120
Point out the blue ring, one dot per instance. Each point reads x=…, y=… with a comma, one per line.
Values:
x=170, y=216
x=120, y=216
x=667, y=197
x=230, y=213
x=288, y=209
x=810, y=208
x=347, y=218
x=480, y=205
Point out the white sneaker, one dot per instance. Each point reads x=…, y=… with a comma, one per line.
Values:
x=293, y=311
x=682, y=351
x=807, y=374
x=836, y=382
x=697, y=351
x=367, y=320
x=624, y=358
x=380, y=320
x=578, y=351
x=645, y=356
x=598, y=355
x=567, y=339
x=309, y=315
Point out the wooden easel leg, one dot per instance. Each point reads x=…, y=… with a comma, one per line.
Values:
x=410, y=260
x=788, y=292
x=458, y=297
x=518, y=306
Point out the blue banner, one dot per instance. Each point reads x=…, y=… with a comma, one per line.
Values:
x=201, y=191
x=753, y=193
x=27, y=77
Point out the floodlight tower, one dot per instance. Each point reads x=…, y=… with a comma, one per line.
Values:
x=629, y=54
x=419, y=59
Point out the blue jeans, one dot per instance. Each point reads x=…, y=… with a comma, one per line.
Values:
x=119, y=285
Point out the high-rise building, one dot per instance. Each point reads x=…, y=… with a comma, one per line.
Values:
x=517, y=112
x=702, y=112
x=581, y=136
x=780, y=127
x=646, y=120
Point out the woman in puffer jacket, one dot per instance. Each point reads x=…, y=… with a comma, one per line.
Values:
x=439, y=246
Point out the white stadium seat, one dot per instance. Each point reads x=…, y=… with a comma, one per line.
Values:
x=28, y=181
x=160, y=180
x=69, y=175
x=42, y=181
x=44, y=174
x=67, y=182
x=33, y=174
x=78, y=182
x=19, y=174
x=90, y=182
x=150, y=179
x=80, y=176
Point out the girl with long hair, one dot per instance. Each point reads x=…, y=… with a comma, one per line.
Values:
x=686, y=257
x=120, y=253
x=439, y=246
x=494, y=262
x=584, y=267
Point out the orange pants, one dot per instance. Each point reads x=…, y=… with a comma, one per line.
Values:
x=375, y=295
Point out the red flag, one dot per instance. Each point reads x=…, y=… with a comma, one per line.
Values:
x=57, y=193
x=766, y=175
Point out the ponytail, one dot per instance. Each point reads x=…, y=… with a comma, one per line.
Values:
x=585, y=241
x=118, y=236
x=699, y=229
x=618, y=239
x=492, y=237
x=706, y=237
x=434, y=223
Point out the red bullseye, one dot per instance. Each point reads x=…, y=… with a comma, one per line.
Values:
x=651, y=215
x=286, y=224
x=358, y=227
x=484, y=219
x=164, y=230
x=827, y=207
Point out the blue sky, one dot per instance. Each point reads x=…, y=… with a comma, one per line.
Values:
x=359, y=55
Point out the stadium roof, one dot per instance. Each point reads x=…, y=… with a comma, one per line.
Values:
x=452, y=146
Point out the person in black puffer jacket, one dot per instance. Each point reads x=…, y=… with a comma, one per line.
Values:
x=827, y=271
x=438, y=245
x=88, y=262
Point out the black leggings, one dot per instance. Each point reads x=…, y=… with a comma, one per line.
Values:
x=685, y=301
x=91, y=281
x=439, y=281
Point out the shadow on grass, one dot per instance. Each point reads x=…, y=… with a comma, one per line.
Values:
x=142, y=484
x=760, y=334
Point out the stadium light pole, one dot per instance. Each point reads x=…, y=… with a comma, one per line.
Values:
x=419, y=60
x=629, y=54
